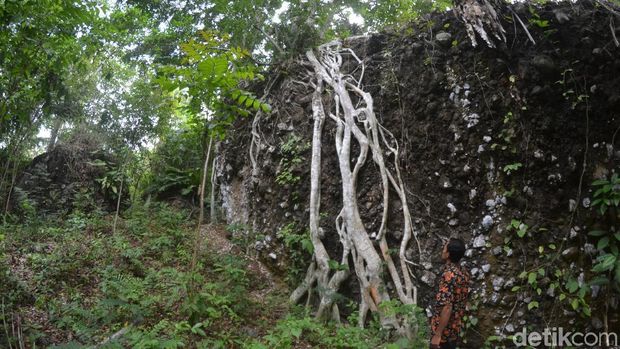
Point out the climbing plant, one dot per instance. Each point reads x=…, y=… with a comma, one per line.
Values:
x=606, y=204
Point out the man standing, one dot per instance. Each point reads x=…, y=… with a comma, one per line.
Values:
x=451, y=299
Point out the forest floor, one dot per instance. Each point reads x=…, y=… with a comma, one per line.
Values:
x=69, y=282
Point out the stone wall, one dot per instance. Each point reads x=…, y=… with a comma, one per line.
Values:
x=489, y=139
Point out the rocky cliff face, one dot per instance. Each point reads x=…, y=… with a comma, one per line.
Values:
x=498, y=147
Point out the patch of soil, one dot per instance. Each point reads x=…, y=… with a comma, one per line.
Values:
x=267, y=291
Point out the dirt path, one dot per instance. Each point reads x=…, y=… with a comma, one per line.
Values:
x=216, y=241
x=267, y=290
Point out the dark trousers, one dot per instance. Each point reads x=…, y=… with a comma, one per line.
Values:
x=446, y=345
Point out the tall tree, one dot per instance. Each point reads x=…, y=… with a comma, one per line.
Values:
x=39, y=48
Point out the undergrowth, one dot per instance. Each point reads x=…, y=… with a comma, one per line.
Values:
x=300, y=329
x=68, y=282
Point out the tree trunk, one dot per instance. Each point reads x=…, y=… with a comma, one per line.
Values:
x=118, y=204
x=11, y=186
x=203, y=183
x=120, y=190
x=54, y=134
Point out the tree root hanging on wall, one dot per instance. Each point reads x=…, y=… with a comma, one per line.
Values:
x=478, y=15
x=355, y=121
x=256, y=143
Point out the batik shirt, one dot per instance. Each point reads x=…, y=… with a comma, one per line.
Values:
x=453, y=289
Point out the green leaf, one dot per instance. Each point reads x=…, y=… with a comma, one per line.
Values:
x=307, y=245
x=602, y=190
x=602, y=243
x=512, y=167
x=572, y=285
x=586, y=311
x=334, y=265
x=515, y=288
x=296, y=332
x=265, y=107
x=575, y=303
x=597, y=233
x=605, y=262
x=235, y=94
x=249, y=102
x=532, y=304
x=541, y=271
x=206, y=68
x=198, y=330
x=220, y=66
x=552, y=246
x=582, y=291
x=562, y=297
x=189, y=49
x=598, y=192
x=599, y=280
x=531, y=278
x=600, y=182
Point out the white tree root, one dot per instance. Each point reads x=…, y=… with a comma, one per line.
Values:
x=477, y=15
x=255, y=145
x=355, y=124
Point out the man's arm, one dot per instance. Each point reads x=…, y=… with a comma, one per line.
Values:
x=444, y=317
